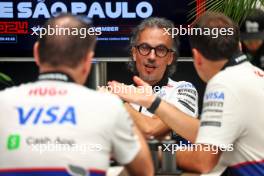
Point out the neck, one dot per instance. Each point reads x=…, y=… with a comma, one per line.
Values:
x=162, y=82
x=152, y=83
x=214, y=67
x=72, y=73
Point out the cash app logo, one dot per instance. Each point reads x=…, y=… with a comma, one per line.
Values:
x=13, y=142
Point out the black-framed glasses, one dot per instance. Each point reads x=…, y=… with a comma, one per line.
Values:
x=160, y=51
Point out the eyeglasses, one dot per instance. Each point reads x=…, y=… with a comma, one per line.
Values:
x=160, y=51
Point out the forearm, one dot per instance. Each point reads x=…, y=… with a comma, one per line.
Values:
x=148, y=126
x=186, y=160
x=201, y=161
x=138, y=119
x=183, y=124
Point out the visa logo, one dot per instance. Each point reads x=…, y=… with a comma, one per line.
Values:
x=47, y=115
x=215, y=96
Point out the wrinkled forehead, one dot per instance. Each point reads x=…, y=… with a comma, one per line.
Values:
x=155, y=36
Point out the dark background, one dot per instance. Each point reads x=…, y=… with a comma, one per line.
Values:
x=175, y=10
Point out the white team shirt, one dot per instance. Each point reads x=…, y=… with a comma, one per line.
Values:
x=233, y=119
x=49, y=113
x=182, y=95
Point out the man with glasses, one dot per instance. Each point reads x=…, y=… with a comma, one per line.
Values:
x=154, y=60
x=230, y=136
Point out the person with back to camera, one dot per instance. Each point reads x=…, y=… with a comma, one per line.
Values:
x=56, y=126
x=230, y=135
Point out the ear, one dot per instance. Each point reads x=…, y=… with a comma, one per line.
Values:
x=133, y=51
x=36, y=53
x=88, y=61
x=90, y=55
x=197, y=56
x=171, y=57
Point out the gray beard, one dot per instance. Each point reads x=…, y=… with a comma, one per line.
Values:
x=148, y=79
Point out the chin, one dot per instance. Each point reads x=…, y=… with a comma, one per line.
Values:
x=148, y=78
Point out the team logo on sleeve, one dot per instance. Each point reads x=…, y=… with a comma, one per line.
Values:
x=213, y=109
x=215, y=96
x=187, y=96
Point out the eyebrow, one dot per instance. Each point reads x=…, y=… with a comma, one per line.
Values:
x=154, y=46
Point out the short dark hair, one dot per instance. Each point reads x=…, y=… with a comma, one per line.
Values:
x=221, y=47
x=154, y=22
x=65, y=50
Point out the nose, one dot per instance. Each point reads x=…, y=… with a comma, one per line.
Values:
x=152, y=54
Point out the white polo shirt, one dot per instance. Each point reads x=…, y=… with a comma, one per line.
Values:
x=233, y=119
x=182, y=95
x=54, y=127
